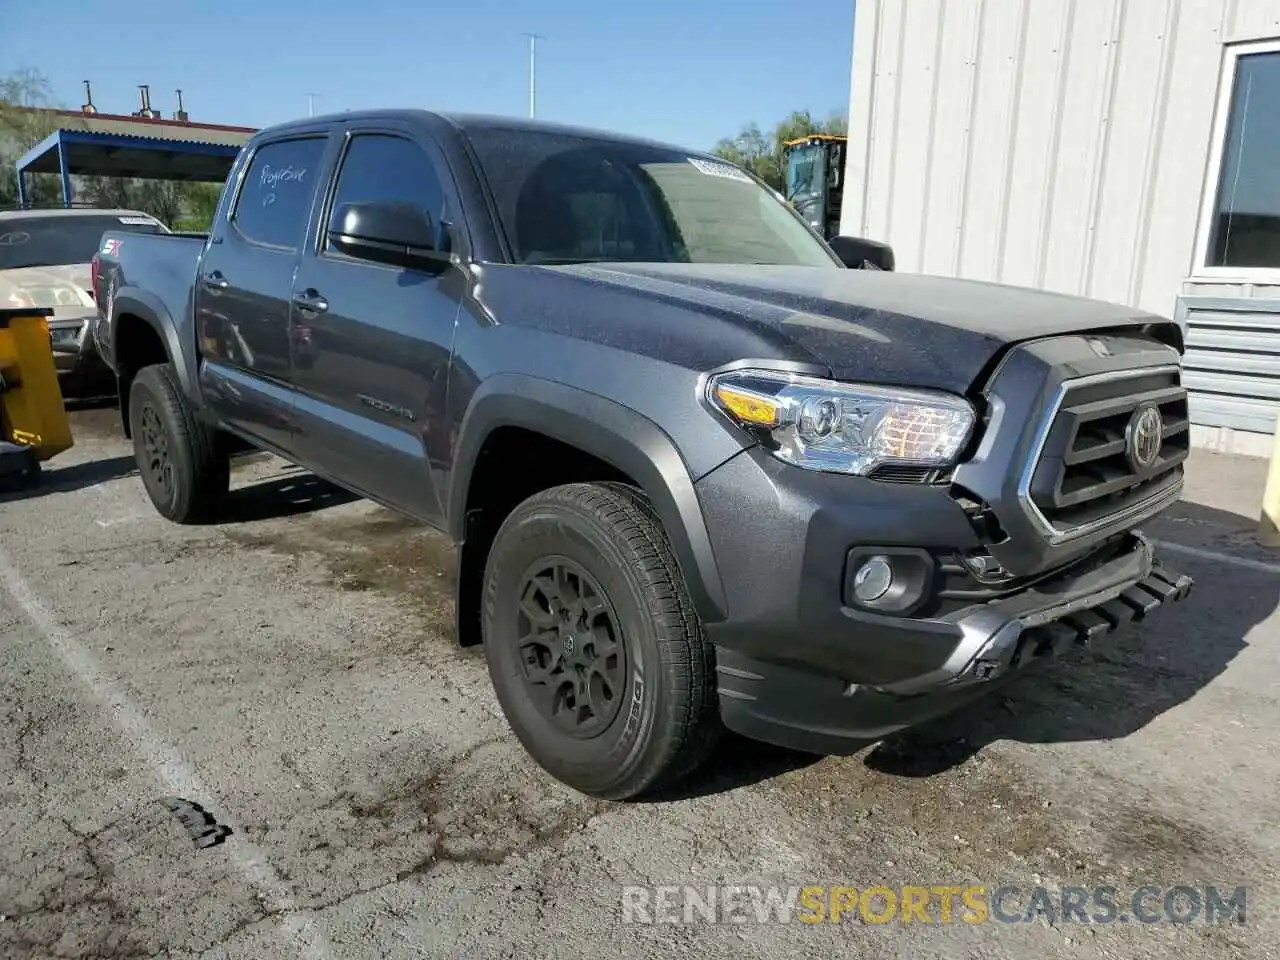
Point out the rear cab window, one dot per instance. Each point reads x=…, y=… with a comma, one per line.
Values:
x=64, y=239
x=274, y=203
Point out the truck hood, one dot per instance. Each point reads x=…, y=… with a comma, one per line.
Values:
x=892, y=328
x=57, y=287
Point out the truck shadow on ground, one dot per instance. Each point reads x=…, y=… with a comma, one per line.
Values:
x=295, y=493
x=1099, y=694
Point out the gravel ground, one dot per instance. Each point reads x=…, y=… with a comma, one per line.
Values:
x=291, y=675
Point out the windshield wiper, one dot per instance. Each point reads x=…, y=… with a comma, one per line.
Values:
x=571, y=261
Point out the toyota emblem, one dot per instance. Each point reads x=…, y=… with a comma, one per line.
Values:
x=1143, y=438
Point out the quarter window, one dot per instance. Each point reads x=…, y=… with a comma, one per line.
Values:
x=275, y=199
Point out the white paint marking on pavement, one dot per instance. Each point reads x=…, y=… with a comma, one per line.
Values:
x=130, y=518
x=1220, y=557
x=170, y=769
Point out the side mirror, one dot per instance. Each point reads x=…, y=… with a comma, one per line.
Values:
x=395, y=233
x=858, y=254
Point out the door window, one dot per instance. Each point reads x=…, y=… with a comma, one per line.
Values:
x=385, y=168
x=275, y=199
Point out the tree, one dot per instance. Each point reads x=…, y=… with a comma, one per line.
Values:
x=202, y=204
x=751, y=150
x=766, y=156
x=25, y=99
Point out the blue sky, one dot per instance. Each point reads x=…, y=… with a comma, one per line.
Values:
x=677, y=70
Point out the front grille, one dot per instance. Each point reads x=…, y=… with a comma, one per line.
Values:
x=1086, y=471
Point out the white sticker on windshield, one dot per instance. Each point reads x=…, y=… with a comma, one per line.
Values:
x=137, y=221
x=720, y=170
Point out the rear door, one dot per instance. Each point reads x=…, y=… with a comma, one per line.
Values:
x=243, y=290
x=372, y=342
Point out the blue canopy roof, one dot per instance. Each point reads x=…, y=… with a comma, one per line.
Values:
x=83, y=153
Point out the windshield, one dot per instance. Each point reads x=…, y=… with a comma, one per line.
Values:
x=806, y=171
x=569, y=199
x=61, y=240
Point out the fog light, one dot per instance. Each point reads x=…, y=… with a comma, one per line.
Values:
x=873, y=580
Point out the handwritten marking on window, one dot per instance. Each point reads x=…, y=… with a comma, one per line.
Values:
x=272, y=179
x=290, y=174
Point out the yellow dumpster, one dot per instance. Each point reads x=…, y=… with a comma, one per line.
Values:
x=31, y=407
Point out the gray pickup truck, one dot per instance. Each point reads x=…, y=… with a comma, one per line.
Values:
x=704, y=469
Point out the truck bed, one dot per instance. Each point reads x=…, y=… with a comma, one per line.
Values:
x=162, y=265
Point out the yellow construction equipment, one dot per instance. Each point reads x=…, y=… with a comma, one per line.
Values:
x=33, y=419
x=813, y=181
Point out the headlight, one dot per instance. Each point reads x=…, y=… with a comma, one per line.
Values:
x=844, y=428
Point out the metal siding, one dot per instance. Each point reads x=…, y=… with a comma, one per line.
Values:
x=890, y=49
x=921, y=25
x=1232, y=365
x=1135, y=106
x=956, y=73
x=1062, y=144
x=863, y=101
x=1029, y=161
x=1053, y=143
x=1180, y=154
x=1069, y=227
x=1251, y=19
x=999, y=72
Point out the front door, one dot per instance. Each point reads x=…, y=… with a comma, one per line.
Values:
x=243, y=292
x=372, y=342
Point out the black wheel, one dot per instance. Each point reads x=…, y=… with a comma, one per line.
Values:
x=185, y=470
x=595, y=652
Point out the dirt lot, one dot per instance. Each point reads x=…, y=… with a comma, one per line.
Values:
x=292, y=671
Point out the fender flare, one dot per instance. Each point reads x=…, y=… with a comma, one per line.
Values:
x=149, y=308
x=609, y=431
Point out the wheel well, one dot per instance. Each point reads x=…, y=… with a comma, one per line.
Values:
x=512, y=465
x=137, y=345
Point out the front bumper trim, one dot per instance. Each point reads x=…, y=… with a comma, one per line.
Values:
x=801, y=708
x=1001, y=635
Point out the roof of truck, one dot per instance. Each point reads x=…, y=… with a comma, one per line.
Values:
x=480, y=121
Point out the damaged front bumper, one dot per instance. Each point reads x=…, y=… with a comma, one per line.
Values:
x=1052, y=616
x=791, y=704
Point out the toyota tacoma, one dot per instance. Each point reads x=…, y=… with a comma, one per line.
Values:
x=704, y=469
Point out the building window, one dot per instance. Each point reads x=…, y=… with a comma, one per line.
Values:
x=1244, y=221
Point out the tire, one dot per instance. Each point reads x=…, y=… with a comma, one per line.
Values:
x=652, y=711
x=185, y=470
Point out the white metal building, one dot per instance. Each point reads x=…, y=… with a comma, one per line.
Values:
x=1127, y=150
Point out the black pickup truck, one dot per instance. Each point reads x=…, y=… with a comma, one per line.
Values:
x=704, y=469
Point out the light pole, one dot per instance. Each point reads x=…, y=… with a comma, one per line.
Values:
x=533, y=72
x=311, y=104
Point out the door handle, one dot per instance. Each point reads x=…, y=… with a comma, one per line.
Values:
x=215, y=280
x=311, y=301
